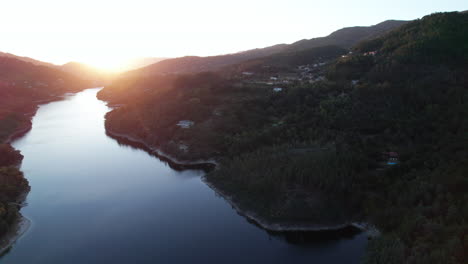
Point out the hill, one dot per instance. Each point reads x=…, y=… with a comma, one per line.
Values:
x=324, y=151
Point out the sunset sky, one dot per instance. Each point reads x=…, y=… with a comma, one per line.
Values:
x=104, y=33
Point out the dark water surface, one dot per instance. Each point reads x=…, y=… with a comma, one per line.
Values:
x=95, y=201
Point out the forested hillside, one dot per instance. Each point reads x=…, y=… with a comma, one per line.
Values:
x=296, y=149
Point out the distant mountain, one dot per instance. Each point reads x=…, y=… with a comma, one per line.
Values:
x=199, y=64
x=86, y=72
x=102, y=77
x=27, y=59
x=77, y=68
x=343, y=38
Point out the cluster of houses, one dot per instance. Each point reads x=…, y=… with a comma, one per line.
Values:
x=309, y=73
x=305, y=73
x=312, y=72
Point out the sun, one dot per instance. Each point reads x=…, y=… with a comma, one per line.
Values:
x=106, y=63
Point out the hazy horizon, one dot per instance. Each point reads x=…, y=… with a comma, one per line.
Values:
x=107, y=33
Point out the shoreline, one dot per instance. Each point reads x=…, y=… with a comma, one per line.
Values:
x=20, y=132
x=282, y=227
x=249, y=215
x=160, y=154
x=14, y=234
x=25, y=128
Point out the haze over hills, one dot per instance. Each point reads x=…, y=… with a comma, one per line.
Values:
x=96, y=76
x=343, y=38
x=101, y=76
x=86, y=72
x=79, y=68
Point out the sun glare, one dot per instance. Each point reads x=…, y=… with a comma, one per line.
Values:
x=107, y=63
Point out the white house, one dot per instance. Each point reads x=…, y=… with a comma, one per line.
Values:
x=185, y=123
x=277, y=89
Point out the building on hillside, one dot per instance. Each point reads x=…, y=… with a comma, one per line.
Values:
x=277, y=89
x=391, y=158
x=185, y=123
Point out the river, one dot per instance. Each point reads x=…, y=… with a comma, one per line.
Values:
x=94, y=200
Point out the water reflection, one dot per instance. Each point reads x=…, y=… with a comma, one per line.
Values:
x=316, y=237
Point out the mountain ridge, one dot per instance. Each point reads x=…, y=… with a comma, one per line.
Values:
x=344, y=38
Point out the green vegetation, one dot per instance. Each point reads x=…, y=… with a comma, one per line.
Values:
x=312, y=152
x=12, y=187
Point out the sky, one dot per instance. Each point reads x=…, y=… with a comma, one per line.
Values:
x=104, y=33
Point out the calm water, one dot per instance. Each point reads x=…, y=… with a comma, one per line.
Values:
x=95, y=201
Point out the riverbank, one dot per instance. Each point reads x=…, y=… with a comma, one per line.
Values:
x=283, y=226
x=262, y=222
x=18, y=229
x=14, y=234
x=170, y=159
x=26, y=126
